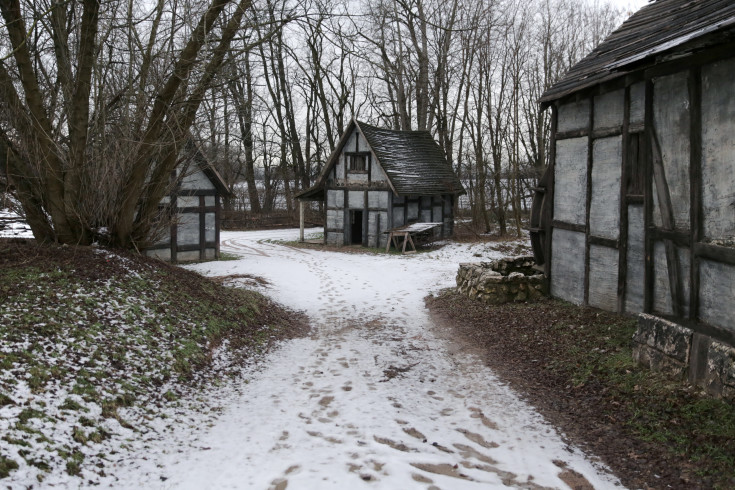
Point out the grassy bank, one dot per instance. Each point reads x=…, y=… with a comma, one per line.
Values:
x=94, y=342
x=575, y=364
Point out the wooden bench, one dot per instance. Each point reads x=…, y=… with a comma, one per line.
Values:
x=407, y=233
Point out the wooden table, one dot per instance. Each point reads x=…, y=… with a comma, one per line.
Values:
x=406, y=232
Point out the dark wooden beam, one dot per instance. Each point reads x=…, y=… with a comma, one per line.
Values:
x=666, y=210
x=202, y=227
x=695, y=185
x=562, y=225
x=679, y=238
x=607, y=132
x=197, y=209
x=624, y=164
x=217, y=224
x=648, y=271
x=717, y=253
x=346, y=225
x=604, y=242
x=365, y=219
x=588, y=202
x=576, y=133
x=636, y=128
x=173, y=230
x=548, y=211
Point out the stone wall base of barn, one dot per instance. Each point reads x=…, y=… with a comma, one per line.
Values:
x=502, y=281
x=665, y=346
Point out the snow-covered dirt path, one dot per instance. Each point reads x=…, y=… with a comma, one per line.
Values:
x=372, y=399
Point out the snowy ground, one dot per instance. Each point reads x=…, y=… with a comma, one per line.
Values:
x=373, y=399
x=12, y=226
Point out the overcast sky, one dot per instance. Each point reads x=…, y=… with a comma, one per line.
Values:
x=633, y=5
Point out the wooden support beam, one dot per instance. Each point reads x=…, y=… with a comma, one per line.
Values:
x=548, y=211
x=695, y=186
x=648, y=279
x=667, y=220
x=679, y=238
x=217, y=224
x=588, y=202
x=202, y=228
x=624, y=165
x=604, y=242
x=563, y=225
x=575, y=133
x=725, y=255
x=174, y=229
x=365, y=219
x=607, y=132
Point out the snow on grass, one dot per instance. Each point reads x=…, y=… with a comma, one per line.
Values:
x=86, y=365
x=13, y=226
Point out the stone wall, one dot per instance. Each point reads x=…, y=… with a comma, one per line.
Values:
x=501, y=281
x=666, y=346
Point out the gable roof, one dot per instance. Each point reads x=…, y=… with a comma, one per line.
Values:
x=656, y=28
x=194, y=153
x=413, y=162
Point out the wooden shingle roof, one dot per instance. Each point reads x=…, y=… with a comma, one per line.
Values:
x=412, y=160
x=658, y=27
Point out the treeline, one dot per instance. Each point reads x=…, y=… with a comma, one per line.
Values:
x=98, y=99
x=470, y=72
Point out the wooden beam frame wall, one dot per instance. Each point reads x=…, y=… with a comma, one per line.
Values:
x=674, y=240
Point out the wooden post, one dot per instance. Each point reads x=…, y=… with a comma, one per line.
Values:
x=202, y=228
x=301, y=221
x=625, y=163
x=588, y=199
x=648, y=278
x=548, y=211
x=695, y=187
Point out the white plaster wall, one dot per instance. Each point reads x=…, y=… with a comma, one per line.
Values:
x=570, y=188
x=603, y=278
x=609, y=109
x=574, y=115
x=718, y=150
x=567, y=265
x=606, y=173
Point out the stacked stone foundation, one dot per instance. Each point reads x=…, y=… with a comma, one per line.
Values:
x=665, y=346
x=501, y=281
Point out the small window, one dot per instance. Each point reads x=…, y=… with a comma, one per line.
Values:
x=358, y=162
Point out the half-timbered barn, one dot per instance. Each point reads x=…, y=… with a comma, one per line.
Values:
x=637, y=210
x=379, y=179
x=194, y=205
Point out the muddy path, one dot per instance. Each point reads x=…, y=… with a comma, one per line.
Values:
x=375, y=397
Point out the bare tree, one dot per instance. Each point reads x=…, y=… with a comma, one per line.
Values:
x=97, y=110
